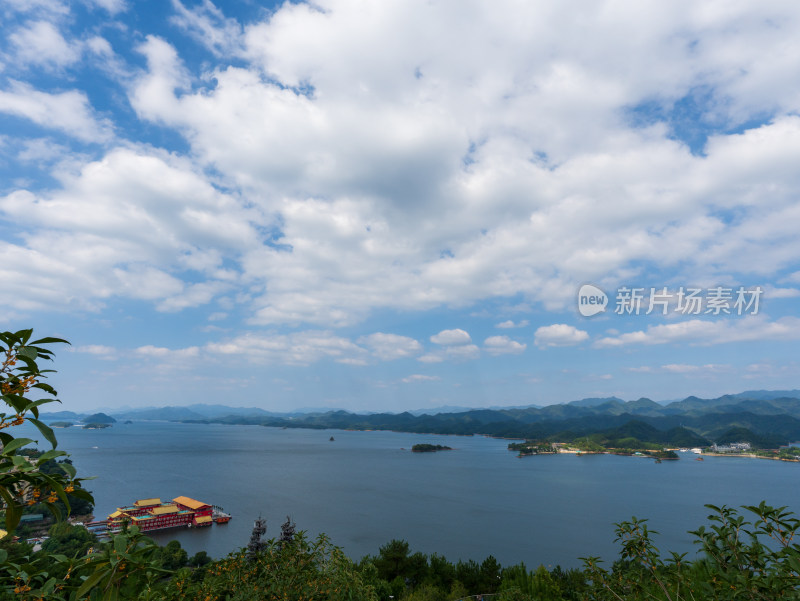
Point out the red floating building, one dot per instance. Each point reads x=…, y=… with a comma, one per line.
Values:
x=152, y=514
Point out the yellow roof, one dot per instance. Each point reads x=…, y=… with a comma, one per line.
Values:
x=165, y=509
x=191, y=503
x=203, y=519
x=116, y=514
x=146, y=502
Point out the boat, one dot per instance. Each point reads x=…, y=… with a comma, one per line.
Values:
x=153, y=514
x=698, y=459
x=219, y=516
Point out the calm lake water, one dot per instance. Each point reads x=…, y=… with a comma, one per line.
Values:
x=366, y=488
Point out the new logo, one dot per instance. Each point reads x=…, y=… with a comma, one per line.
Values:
x=591, y=300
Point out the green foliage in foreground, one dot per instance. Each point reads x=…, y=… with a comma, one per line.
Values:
x=298, y=570
x=744, y=556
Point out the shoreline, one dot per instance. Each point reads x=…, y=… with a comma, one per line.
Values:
x=750, y=456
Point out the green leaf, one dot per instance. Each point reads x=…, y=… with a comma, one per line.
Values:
x=15, y=444
x=49, y=340
x=23, y=335
x=120, y=543
x=49, y=455
x=48, y=389
x=30, y=364
x=91, y=581
x=46, y=431
x=3, y=555
x=28, y=351
x=15, y=401
x=13, y=511
x=56, y=510
x=49, y=586
x=67, y=467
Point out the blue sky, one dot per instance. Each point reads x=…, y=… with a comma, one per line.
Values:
x=393, y=205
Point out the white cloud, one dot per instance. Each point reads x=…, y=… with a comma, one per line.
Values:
x=112, y=6
x=68, y=112
x=299, y=348
x=451, y=337
x=128, y=225
x=771, y=292
x=462, y=352
x=430, y=358
x=42, y=7
x=389, y=347
x=683, y=368
x=680, y=368
x=160, y=352
x=502, y=345
x=705, y=332
x=559, y=334
x=100, y=351
x=420, y=378
x=418, y=174
x=40, y=43
x=207, y=25
x=509, y=324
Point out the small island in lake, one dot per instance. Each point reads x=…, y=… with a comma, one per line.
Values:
x=94, y=426
x=429, y=448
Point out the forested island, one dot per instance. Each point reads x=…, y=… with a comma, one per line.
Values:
x=429, y=448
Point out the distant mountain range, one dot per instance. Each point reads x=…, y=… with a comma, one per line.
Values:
x=764, y=418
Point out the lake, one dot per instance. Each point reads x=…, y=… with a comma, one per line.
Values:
x=366, y=488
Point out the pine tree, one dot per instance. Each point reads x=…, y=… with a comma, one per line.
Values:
x=256, y=544
x=287, y=532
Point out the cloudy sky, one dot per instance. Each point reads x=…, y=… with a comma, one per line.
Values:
x=393, y=205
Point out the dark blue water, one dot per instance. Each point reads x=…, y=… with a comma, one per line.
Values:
x=363, y=489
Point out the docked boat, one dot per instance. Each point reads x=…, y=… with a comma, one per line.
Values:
x=219, y=516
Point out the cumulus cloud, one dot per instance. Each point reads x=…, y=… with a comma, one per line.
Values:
x=112, y=6
x=418, y=155
x=420, y=378
x=431, y=358
x=298, y=348
x=454, y=134
x=160, y=352
x=209, y=26
x=509, y=324
x=388, y=347
x=462, y=352
x=100, y=351
x=503, y=345
x=455, y=337
x=132, y=225
x=40, y=43
x=68, y=112
x=559, y=334
x=702, y=332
